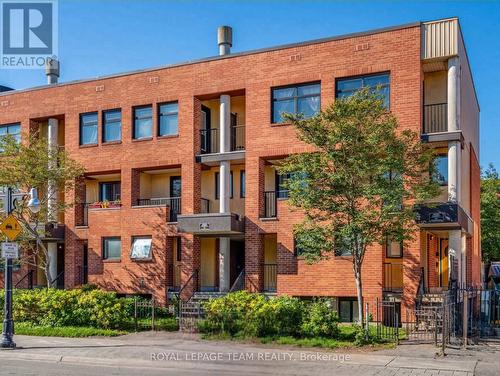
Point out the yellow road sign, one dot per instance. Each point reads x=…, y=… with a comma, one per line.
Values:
x=11, y=227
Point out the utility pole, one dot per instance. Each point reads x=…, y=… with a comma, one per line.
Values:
x=8, y=322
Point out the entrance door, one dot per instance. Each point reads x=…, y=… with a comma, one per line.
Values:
x=443, y=263
x=85, y=267
x=206, y=125
x=237, y=259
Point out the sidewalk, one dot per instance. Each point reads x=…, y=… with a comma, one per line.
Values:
x=187, y=354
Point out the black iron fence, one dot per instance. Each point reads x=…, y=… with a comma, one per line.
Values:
x=210, y=142
x=270, y=204
x=435, y=118
x=270, y=277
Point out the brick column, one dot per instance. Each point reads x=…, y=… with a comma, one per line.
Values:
x=135, y=186
x=191, y=256
x=411, y=274
x=254, y=258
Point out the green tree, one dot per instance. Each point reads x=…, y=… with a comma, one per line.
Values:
x=490, y=214
x=359, y=184
x=32, y=164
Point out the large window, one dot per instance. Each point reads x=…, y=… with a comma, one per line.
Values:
x=348, y=309
x=440, y=173
x=168, y=119
x=112, y=125
x=378, y=83
x=297, y=99
x=393, y=249
x=217, y=185
x=175, y=186
x=111, y=248
x=281, y=189
x=141, y=248
x=242, y=184
x=109, y=191
x=143, y=122
x=13, y=130
x=88, y=128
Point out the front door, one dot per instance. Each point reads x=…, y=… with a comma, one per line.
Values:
x=237, y=259
x=443, y=263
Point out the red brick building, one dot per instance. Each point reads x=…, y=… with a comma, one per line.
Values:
x=180, y=189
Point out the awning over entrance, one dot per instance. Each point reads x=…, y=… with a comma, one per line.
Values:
x=448, y=215
x=211, y=224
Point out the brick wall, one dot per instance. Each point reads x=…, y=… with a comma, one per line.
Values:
x=396, y=51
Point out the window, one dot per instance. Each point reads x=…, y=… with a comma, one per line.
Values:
x=143, y=122
x=175, y=186
x=242, y=184
x=393, y=249
x=217, y=185
x=378, y=83
x=111, y=248
x=112, y=125
x=88, y=128
x=141, y=248
x=297, y=251
x=298, y=99
x=348, y=309
x=168, y=119
x=281, y=190
x=109, y=191
x=342, y=247
x=13, y=130
x=178, y=249
x=440, y=173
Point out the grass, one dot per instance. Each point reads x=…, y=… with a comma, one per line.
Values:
x=64, y=331
x=168, y=324
x=346, y=339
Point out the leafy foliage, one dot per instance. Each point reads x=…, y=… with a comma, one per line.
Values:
x=252, y=315
x=490, y=214
x=358, y=185
x=32, y=164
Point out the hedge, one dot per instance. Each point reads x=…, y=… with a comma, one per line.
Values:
x=253, y=315
x=57, y=308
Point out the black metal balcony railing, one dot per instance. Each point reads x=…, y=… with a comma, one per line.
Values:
x=209, y=139
x=238, y=138
x=173, y=203
x=205, y=206
x=435, y=118
x=270, y=277
x=270, y=204
x=393, y=277
x=153, y=201
x=82, y=214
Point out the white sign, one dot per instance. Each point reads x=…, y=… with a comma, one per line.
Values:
x=10, y=250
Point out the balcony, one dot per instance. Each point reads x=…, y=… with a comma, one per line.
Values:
x=172, y=203
x=270, y=277
x=211, y=224
x=436, y=118
x=447, y=215
x=210, y=143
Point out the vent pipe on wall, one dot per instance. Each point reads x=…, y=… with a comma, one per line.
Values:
x=52, y=71
x=225, y=39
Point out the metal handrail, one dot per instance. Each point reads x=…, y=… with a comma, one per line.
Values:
x=270, y=204
x=28, y=275
x=239, y=282
x=205, y=205
x=436, y=118
x=193, y=275
x=237, y=137
x=57, y=278
x=270, y=277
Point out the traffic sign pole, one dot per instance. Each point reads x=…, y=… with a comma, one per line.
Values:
x=8, y=322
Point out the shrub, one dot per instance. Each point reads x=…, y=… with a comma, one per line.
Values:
x=320, y=321
x=56, y=308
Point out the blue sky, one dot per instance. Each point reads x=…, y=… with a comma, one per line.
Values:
x=103, y=37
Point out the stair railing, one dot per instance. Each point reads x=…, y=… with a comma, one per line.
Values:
x=29, y=276
x=239, y=283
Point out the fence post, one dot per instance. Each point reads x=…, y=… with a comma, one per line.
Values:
x=465, y=318
x=135, y=313
x=367, y=335
x=153, y=313
x=445, y=327
x=397, y=327
x=435, y=328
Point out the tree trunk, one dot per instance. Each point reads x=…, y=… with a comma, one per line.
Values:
x=359, y=292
